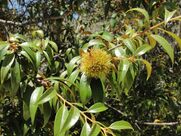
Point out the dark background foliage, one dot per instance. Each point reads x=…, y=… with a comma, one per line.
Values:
x=67, y=22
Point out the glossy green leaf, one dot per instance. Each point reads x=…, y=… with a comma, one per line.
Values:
x=38, y=59
x=38, y=33
x=148, y=67
x=97, y=107
x=60, y=119
x=95, y=42
x=63, y=74
x=84, y=89
x=54, y=45
x=118, y=125
x=34, y=102
x=142, y=11
x=122, y=69
x=30, y=55
x=72, y=118
x=15, y=77
x=25, y=129
x=177, y=38
x=71, y=65
x=168, y=15
x=3, y=49
x=46, y=113
x=120, y=52
x=35, y=45
x=142, y=50
x=95, y=130
x=130, y=44
x=6, y=65
x=25, y=54
x=85, y=130
x=20, y=36
x=47, y=58
x=73, y=77
x=3, y=44
x=47, y=95
x=30, y=52
x=44, y=44
x=166, y=46
x=107, y=36
x=50, y=53
x=128, y=81
x=151, y=40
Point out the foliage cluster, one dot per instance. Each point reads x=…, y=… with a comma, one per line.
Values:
x=44, y=84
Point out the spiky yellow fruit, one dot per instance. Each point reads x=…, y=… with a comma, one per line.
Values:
x=95, y=63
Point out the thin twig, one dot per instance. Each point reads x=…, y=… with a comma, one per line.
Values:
x=10, y=22
x=161, y=124
x=111, y=107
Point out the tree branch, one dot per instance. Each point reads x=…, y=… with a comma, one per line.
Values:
x=161, y=124
x=157, y=123
x=10, y=22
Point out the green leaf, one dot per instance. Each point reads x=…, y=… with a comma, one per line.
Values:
x=25, y=129
x=142, y=11
x=95, y=130
x=38, y=59
x=118, y=125
x=96, y=42
x=54, y=45
x=73, y=77
x=3, y=44
x=123, y=69
x=60, y=119
x=46, y=113
x=72, y=118
x=113, y=22
x=166, y=46
x=3, y=49
x=85, y=130
x=38, y=33
x=63, y=74
x=120, y=52
x=26, y=113
x=142, y=50
x=30, y=52
x=25, y=54
x=47, y=95
x=15, y=77
x=107, y=36
x=97, y=107
x=168, y=15
x=50, y=53
x=30, y=55
x=6, y=65
x=129, y=43
x=35, y=44
x=97, y=89
x=148, y=68
x=71, y=65
x=152, y=41
x=177, y=38
x=48, y=58
x=128, y=81
x=34, y=102
x=19, y=36
x=84, y=89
